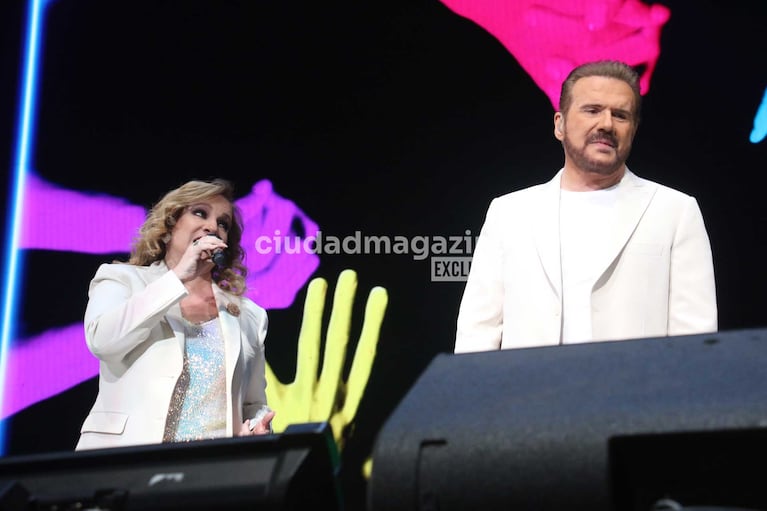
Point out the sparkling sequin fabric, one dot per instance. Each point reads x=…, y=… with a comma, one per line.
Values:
x=198, y=406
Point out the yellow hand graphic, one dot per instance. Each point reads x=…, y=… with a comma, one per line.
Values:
x=328, y=398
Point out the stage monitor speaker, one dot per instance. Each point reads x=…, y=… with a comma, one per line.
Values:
x=566, y=427
x=294, y=470
x=716, y=470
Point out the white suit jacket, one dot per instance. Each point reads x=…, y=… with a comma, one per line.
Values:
x=657, y=278
x=141, y=353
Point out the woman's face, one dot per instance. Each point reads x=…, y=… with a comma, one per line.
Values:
x=209, y=216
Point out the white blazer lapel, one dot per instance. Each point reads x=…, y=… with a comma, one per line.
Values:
x=634, y=197
x=546, y=232
x=228, y=315
x=230, y=329
x=178, y=329
x=157, y=270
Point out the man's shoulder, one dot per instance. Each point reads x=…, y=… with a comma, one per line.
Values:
x=661, y=190
x=530, y=190
x=520, y=197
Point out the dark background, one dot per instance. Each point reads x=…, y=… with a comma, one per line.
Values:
x=392, y=118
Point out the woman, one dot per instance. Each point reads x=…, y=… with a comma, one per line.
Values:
x=180, y=349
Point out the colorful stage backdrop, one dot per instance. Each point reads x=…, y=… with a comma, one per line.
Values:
x=366, y=136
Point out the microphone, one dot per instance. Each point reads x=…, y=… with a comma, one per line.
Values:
x=218, y=256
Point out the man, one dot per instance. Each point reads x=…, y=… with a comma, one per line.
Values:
x=597, y=253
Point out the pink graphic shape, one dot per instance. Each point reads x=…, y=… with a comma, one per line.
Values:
x=82, y=222
x=43, y=366
x=550, y=37
x=58, y=219
x=275, y=277
x=76, y=221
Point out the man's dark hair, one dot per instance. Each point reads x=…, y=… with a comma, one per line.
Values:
x=609, y=69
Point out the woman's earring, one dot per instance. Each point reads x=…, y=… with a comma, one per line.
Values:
x=166, y=238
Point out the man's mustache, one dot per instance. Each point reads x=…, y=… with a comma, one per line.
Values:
x=603, y=137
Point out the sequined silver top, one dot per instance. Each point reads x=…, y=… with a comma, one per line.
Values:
x=198, y=406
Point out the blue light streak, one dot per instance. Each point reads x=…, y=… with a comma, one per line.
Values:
x=25, y=129
x=760, y=121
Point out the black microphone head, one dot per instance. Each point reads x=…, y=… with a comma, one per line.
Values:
x=219, y=257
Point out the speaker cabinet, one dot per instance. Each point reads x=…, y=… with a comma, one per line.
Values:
x=294, y=470
x=597, y=426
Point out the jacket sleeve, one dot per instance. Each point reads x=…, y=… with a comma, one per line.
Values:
x=480, y=315
x=692, y=290
x=122, y=310
x=254, y=401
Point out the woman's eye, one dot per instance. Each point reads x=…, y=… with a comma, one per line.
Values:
x=224, y=225
x=200, y=212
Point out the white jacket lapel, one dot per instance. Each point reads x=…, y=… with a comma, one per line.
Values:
x=546, y=233
x=230, y=328
x=231, y=332
x=634, y=196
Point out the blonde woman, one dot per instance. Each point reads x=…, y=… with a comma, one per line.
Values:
x=180, y=349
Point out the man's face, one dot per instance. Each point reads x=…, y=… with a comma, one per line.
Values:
x=598, y=129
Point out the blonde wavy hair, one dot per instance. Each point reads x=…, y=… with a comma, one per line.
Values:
x=150, y=245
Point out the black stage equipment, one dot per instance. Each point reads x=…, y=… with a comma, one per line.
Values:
x=616, y=425
x=294, y=470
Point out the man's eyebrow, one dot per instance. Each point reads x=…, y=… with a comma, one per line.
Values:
x=624, y=111
x=602, y=107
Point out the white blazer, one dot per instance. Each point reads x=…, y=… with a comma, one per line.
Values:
x=657, y=278
x=141, y=353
